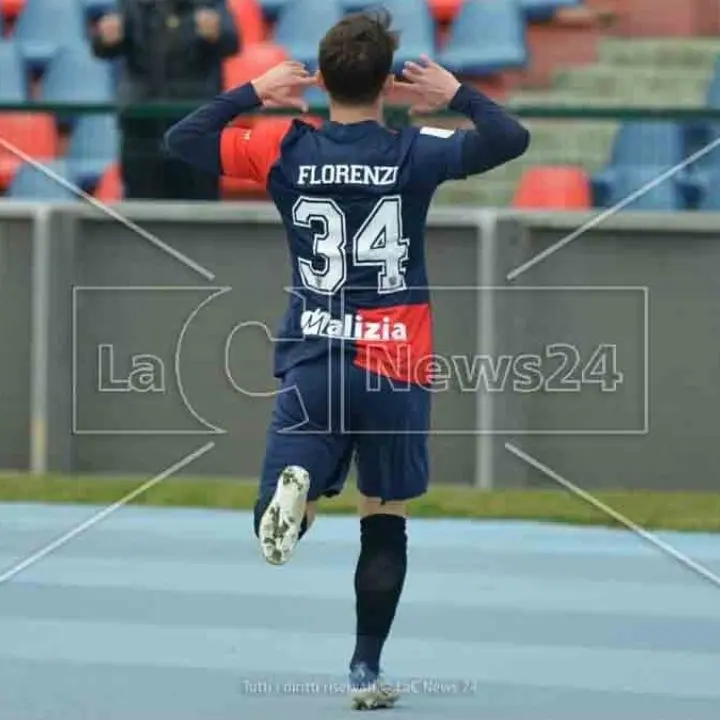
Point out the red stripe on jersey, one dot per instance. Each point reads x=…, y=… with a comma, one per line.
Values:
x=249, y=153
x=396, y=342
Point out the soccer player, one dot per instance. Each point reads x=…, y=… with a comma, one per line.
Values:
x=353, y=196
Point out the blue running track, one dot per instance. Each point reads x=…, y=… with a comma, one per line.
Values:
x=172, y=615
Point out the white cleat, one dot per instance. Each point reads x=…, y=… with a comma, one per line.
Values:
x=375, y=698
x=369, y=691
x=280, y=524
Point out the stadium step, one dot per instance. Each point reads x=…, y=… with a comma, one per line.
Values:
x=569, y=141
x=568, y=98
x=608, y=81
x=676, y=54
x=476, y=193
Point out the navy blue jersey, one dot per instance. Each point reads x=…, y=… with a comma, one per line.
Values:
x=354, y=200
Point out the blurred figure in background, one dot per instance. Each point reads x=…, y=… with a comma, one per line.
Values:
x=172, y=51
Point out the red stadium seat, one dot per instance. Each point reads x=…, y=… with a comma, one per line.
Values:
x=33, y=134
x=251, y=62
x=553, y=188
x=444, y=11
x=249, y=20
x=110, y=189
x=11, y=8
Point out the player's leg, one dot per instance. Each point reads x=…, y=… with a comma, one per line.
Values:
x=304, y=460
x=298, y=470
x=392, y=469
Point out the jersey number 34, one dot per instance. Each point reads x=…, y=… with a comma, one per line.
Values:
x=378, y=243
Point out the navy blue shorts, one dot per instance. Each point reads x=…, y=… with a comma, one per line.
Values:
x=330, y=412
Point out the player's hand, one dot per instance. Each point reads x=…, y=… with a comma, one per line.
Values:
x=110, y=29
x=434, y=86
x=283, y=86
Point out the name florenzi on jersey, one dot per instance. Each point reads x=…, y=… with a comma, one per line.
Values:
x=382, y=175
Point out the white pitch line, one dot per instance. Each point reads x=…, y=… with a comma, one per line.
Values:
x=110, y=212
x=646, y=535
x=100, y=516
x=594, y=222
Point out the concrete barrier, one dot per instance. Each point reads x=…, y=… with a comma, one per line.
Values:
x=129, y=339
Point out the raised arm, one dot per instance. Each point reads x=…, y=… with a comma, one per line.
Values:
x=204, y=140
x=496, y=138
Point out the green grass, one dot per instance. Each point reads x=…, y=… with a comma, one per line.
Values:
x=676, y=511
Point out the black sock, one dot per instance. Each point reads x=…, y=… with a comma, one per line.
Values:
x=379, y=580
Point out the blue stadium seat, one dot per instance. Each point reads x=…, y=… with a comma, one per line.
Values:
x=44, y=26
x=75, y=76
x=317, y=99
x=94, y=9
x=539, y=10
x=616, y=184
x=353, y=6
x=487, y=36
x=301, y=26
x=417, y=32
x=13, y=86
x=699, y=133
x=651, y=143
x=33, y=184
x=93, y=147
x=706, y=187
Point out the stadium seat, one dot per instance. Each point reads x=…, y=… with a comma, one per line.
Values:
x=617, y=184
x=110, y=188
x=539, y=10
x=486, y=37
x=249, y=20
x=93, y=147
x=704, y=190
x=699, y=133
x=44, y=26
x=317, y=99
x=34, y=135
x=412, y=18
x=93, y=9
x=648, y=144
x=13, y=85
x=301, y=26
x=31, y=183
x=354, y=6
x=251, y=62
x=554, y=188
x=12, y=8
x=444, y=11
x=75, y=76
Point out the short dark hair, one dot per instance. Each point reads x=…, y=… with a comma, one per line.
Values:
x=356, y=57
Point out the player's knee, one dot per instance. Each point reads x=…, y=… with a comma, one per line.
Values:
x=375, y=506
